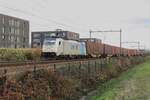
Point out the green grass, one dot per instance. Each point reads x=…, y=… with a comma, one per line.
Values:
x=133, y=84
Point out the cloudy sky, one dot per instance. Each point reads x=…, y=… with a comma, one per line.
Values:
x=132, y=16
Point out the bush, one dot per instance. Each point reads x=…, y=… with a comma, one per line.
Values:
x=71, y=84
x=42, y=84
x=19, y=54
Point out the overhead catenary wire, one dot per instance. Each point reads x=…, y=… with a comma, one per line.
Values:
x=62, y=25
x=37, y=23
x=43, y=2
x=30, y=14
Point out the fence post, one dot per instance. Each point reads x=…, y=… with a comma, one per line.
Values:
x=69, y=69
x=34, y=68
x=89, y=67
x=5, y=72
x=101, y=65
x=5, y=75
x=54, y=67
x=34, y=71
x=95, y=66
x=4, y=82
x=79, y=69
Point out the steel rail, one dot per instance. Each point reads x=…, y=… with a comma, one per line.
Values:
x=9, y=64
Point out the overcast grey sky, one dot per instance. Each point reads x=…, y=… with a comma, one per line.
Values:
x=132, y=16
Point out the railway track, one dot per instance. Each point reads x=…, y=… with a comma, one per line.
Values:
x=9, y=64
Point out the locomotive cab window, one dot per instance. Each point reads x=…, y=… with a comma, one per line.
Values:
x=59, y=42
x=49, y=43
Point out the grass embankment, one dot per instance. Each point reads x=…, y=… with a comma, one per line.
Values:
x=133, y=84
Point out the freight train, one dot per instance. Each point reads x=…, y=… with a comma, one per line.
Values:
x=84, y=47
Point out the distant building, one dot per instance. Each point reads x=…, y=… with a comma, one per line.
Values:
x=37, y=38
x=91, y=39
x=14, y=32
